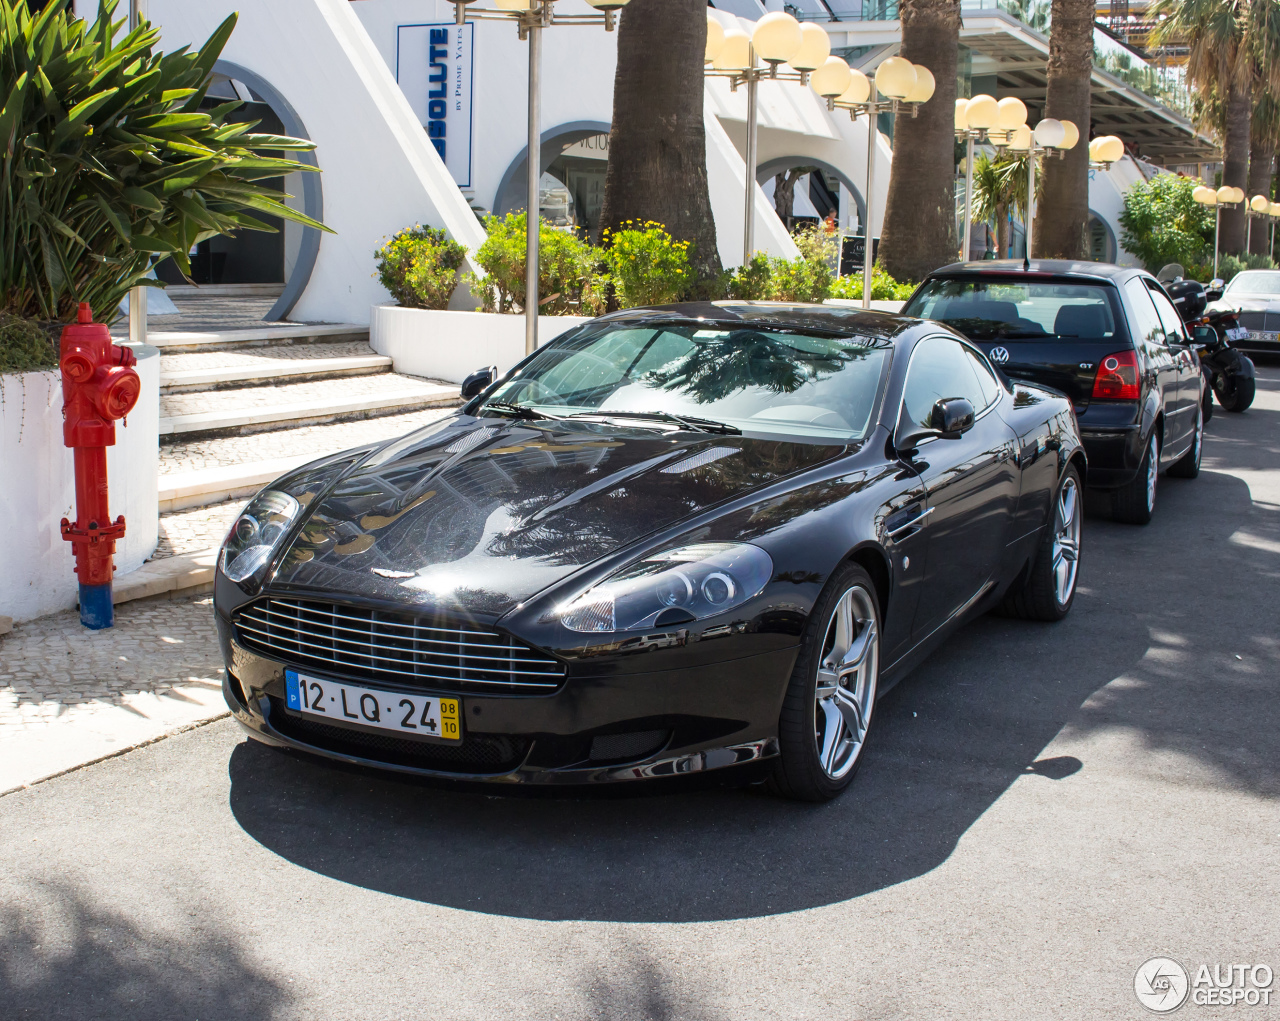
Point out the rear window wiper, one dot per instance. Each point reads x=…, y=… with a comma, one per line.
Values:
x=520, y=411
x=1025, y=333
x=689, y=422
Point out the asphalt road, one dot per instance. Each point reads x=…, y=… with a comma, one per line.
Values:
x=1044, y=808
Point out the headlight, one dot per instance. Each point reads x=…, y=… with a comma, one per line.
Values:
x=672, y=587
x=258, y=532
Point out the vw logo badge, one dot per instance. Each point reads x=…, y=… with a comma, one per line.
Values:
x=999, y=354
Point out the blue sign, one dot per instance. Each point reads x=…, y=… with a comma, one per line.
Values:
x=434, y=69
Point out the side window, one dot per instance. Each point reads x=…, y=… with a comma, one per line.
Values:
x=1169, y=318
x=940, y=368
x=1146, y=325
x=990, y=385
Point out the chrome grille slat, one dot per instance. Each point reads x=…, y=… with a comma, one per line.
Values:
x=372, y=643
x=517, y=655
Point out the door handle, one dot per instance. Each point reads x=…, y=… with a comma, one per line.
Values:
x=897, y=530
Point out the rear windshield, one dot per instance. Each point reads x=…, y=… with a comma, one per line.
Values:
x=1256, y=282
x=1018, y=309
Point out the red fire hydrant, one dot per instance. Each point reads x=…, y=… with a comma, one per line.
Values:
x=99, y=385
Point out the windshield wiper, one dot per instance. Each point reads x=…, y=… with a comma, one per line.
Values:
x=689, y=422
x=520, y=411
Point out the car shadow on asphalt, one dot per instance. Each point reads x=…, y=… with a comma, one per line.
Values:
x=1166, y=641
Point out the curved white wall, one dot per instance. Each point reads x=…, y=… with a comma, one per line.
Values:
x=36, y=566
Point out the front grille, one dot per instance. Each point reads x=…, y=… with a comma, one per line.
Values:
x=1257, y=321
x=357, y=641
x=478, y=753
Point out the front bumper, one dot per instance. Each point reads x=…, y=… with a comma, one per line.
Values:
x=700, y=719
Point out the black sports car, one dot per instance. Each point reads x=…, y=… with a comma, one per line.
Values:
x=672, y=540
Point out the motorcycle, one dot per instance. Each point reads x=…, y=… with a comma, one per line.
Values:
x=1229, y=373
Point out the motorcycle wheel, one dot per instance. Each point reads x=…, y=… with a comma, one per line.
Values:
x=1238, y=396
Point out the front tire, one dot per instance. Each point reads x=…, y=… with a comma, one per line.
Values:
x=826, y=714
x=1135, y=502
x=1238, y=394
x=1050, y=588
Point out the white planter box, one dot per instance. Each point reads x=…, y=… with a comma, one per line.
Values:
x=452, y=345
x=37, y=488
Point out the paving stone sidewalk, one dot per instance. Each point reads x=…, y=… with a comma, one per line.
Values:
x=69, y=695
x=211, y=314
x=191, y=531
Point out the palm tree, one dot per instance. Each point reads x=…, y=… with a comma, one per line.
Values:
x=658, y=144
x=919, y=232
x=998, y=186
x=1065, y=184
x=1264, y=130
x=1229, y=42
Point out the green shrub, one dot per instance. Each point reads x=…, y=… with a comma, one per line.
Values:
x=110, y=159
x=799, y=279
x=568, y=283
x=806, y=278
x=419, y=266
x=750, y=281
x=883, y=287
x=1161, y=223
x=24, y=345
x=646, y=265
x=1230, y=265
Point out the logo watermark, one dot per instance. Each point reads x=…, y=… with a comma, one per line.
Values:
x=1162, y=985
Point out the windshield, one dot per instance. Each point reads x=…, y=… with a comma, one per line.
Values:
x=1018, y=309
x=1255, y=282
x=724, y=378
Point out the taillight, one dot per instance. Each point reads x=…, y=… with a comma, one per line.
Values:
x=1117, y=378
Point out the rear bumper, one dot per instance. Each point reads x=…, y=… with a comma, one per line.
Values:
x=1114, y=454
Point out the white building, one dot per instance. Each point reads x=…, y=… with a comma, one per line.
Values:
x=419, y=120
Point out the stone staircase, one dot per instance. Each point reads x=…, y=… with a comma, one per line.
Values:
x=243, y=401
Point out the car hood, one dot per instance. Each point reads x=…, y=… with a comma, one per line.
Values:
x=1256, y=303
x=477, y=515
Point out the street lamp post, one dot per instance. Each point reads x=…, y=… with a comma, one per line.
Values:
x=776, y=40
x=1224, y=196
x=902, y=84
x=531, y=17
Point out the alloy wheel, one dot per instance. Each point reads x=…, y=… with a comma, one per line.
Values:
x=846, y=683
x=1066, y=541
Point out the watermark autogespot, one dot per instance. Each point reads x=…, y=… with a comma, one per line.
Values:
x=1162, y=985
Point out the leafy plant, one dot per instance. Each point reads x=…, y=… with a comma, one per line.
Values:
x=24, y=345
x=999, y=185
x=1230, y=265
x=883, y=287
x=646, y=265
x=110, y=159
x=568, y=283
x=1161, y=223
x=419, y=266
x=806, y=278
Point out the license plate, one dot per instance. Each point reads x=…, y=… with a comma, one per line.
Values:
x=1237, y=333
x=419, y=715
x=1259, y=335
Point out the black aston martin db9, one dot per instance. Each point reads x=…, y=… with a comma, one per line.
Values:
x=674, y=539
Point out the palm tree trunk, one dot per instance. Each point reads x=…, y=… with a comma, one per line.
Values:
x=1235, y=164
x=919, y=232
x=658, y=143
x=1065, y=186
x=1002, y=232
x=1262, y=158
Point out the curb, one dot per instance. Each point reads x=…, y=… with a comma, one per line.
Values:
x=167, y=576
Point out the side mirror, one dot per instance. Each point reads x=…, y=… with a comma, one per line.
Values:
x=478, y=382
x=1214, y=291
x=950, y=419
x=1204, y=335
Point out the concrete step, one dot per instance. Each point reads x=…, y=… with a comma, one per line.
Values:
x=271, y=370
x=253, y=409
x=195, y=340
x=186, y=490
x=192, y=292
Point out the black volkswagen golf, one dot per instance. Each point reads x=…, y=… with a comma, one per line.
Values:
x=1107, y=337
x=672, y=540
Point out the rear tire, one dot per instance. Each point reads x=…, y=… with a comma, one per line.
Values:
x=826, y=714
x=1188, y=466
x=1238, y=395
x=1135, y=502
x=1050, y=588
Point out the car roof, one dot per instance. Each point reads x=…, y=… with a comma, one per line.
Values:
x=1039, y=267
x=788, y=315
